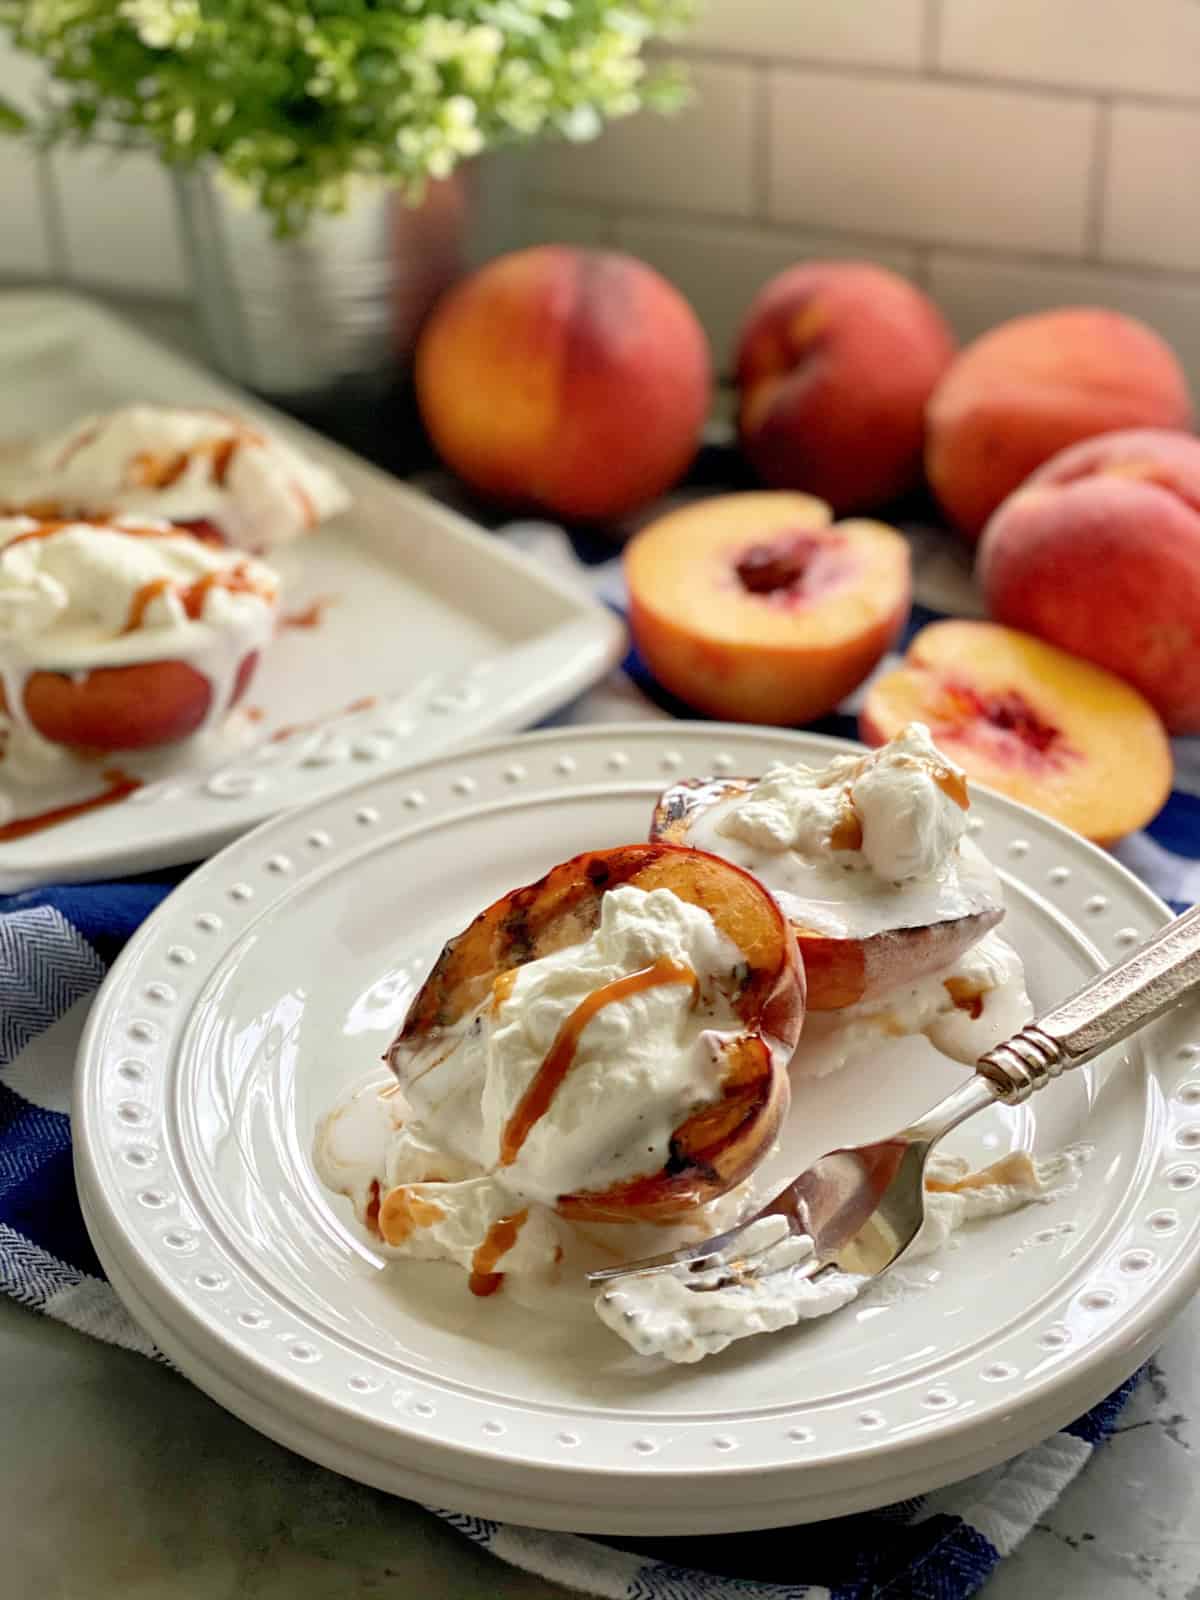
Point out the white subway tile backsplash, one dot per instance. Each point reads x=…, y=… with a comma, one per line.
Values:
x=1108, y=45
x=721, y=268
x=24, y=237
x=930, y=161
x=977, y=292
x=119, y=221
x=546, y=222
x=1151, y=212
x=700, y=160
x=853, y=31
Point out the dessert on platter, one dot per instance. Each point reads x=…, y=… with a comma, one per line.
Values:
x=116, y=636
x=596, y=1067
x=225, y=479
x=133, y=609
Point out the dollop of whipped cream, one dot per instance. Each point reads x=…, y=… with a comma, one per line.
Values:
x=866, y=844
x=901, y=810
x=466, y=1154
x=964, y=1011
x=96, y=581
x=660, y=1315
x=184, y=465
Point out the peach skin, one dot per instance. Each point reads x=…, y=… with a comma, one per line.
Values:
x=134, y=707
x=573, y=381
x=835, y=363
x=1031, y=387
x=756, y=608
x=1099, y=552
x=1056, y=732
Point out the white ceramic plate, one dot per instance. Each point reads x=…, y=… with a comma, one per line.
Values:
x=277, y=974
x=455, y=635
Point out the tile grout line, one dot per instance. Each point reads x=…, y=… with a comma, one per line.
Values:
x=772, y=227
x=885, y=72
x=1097, y=189
x=931, y=38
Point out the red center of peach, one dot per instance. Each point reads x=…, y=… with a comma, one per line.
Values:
x=791, y=564
x=1008, y=712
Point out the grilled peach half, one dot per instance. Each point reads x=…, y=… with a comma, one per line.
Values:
x=135, y=707
x=840, y=971
x=718, y=1145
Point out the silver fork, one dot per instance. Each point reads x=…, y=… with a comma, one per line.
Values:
x=863, y=1207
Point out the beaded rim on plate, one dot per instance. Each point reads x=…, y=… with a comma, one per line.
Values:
x=215, y=1317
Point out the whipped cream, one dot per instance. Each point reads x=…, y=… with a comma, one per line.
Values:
x=78, y=596
x=458, y=1156
x=184, y=465
x=863, y=845
x=660, y=1316
x=964, y=1011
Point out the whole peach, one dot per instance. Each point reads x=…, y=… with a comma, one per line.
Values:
x=835, y=363
x=575, y=381
x=1031, y=387
x=1100, y=553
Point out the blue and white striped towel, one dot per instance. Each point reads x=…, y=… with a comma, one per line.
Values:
x=55, y=947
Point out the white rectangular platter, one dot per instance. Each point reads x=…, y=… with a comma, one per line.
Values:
x=432, y=633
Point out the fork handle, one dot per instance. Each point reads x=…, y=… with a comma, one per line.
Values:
x=1105, y=1011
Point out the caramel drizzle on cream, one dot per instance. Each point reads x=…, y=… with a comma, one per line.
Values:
x=497, y=1242
x=953, y=785
x=120, y=785
x=236, y=580
x=402, y=1210
x=540, y=1091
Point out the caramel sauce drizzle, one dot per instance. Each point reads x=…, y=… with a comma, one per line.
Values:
x=402, y=1211
x=120, y=784
x=311, y=616
x=151, y=469
x=965, y=995
x=953, y=785
x=142, y=601
x=236, y=580
x=497, y=1242
x=847, y=833
x=540, y=1091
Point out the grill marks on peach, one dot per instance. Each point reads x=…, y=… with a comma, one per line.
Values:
x=540, y=1092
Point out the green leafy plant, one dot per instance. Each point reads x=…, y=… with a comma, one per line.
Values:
x=296, y=99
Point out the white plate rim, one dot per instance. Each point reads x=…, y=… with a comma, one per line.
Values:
x=1156, y=1307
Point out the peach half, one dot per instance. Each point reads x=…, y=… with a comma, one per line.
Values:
x=839, y=971
x=135, y=707
x=717, y=1146
x=1058, y=733
x=758, y=608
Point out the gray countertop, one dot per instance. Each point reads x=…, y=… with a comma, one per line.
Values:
x=118, y=1479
